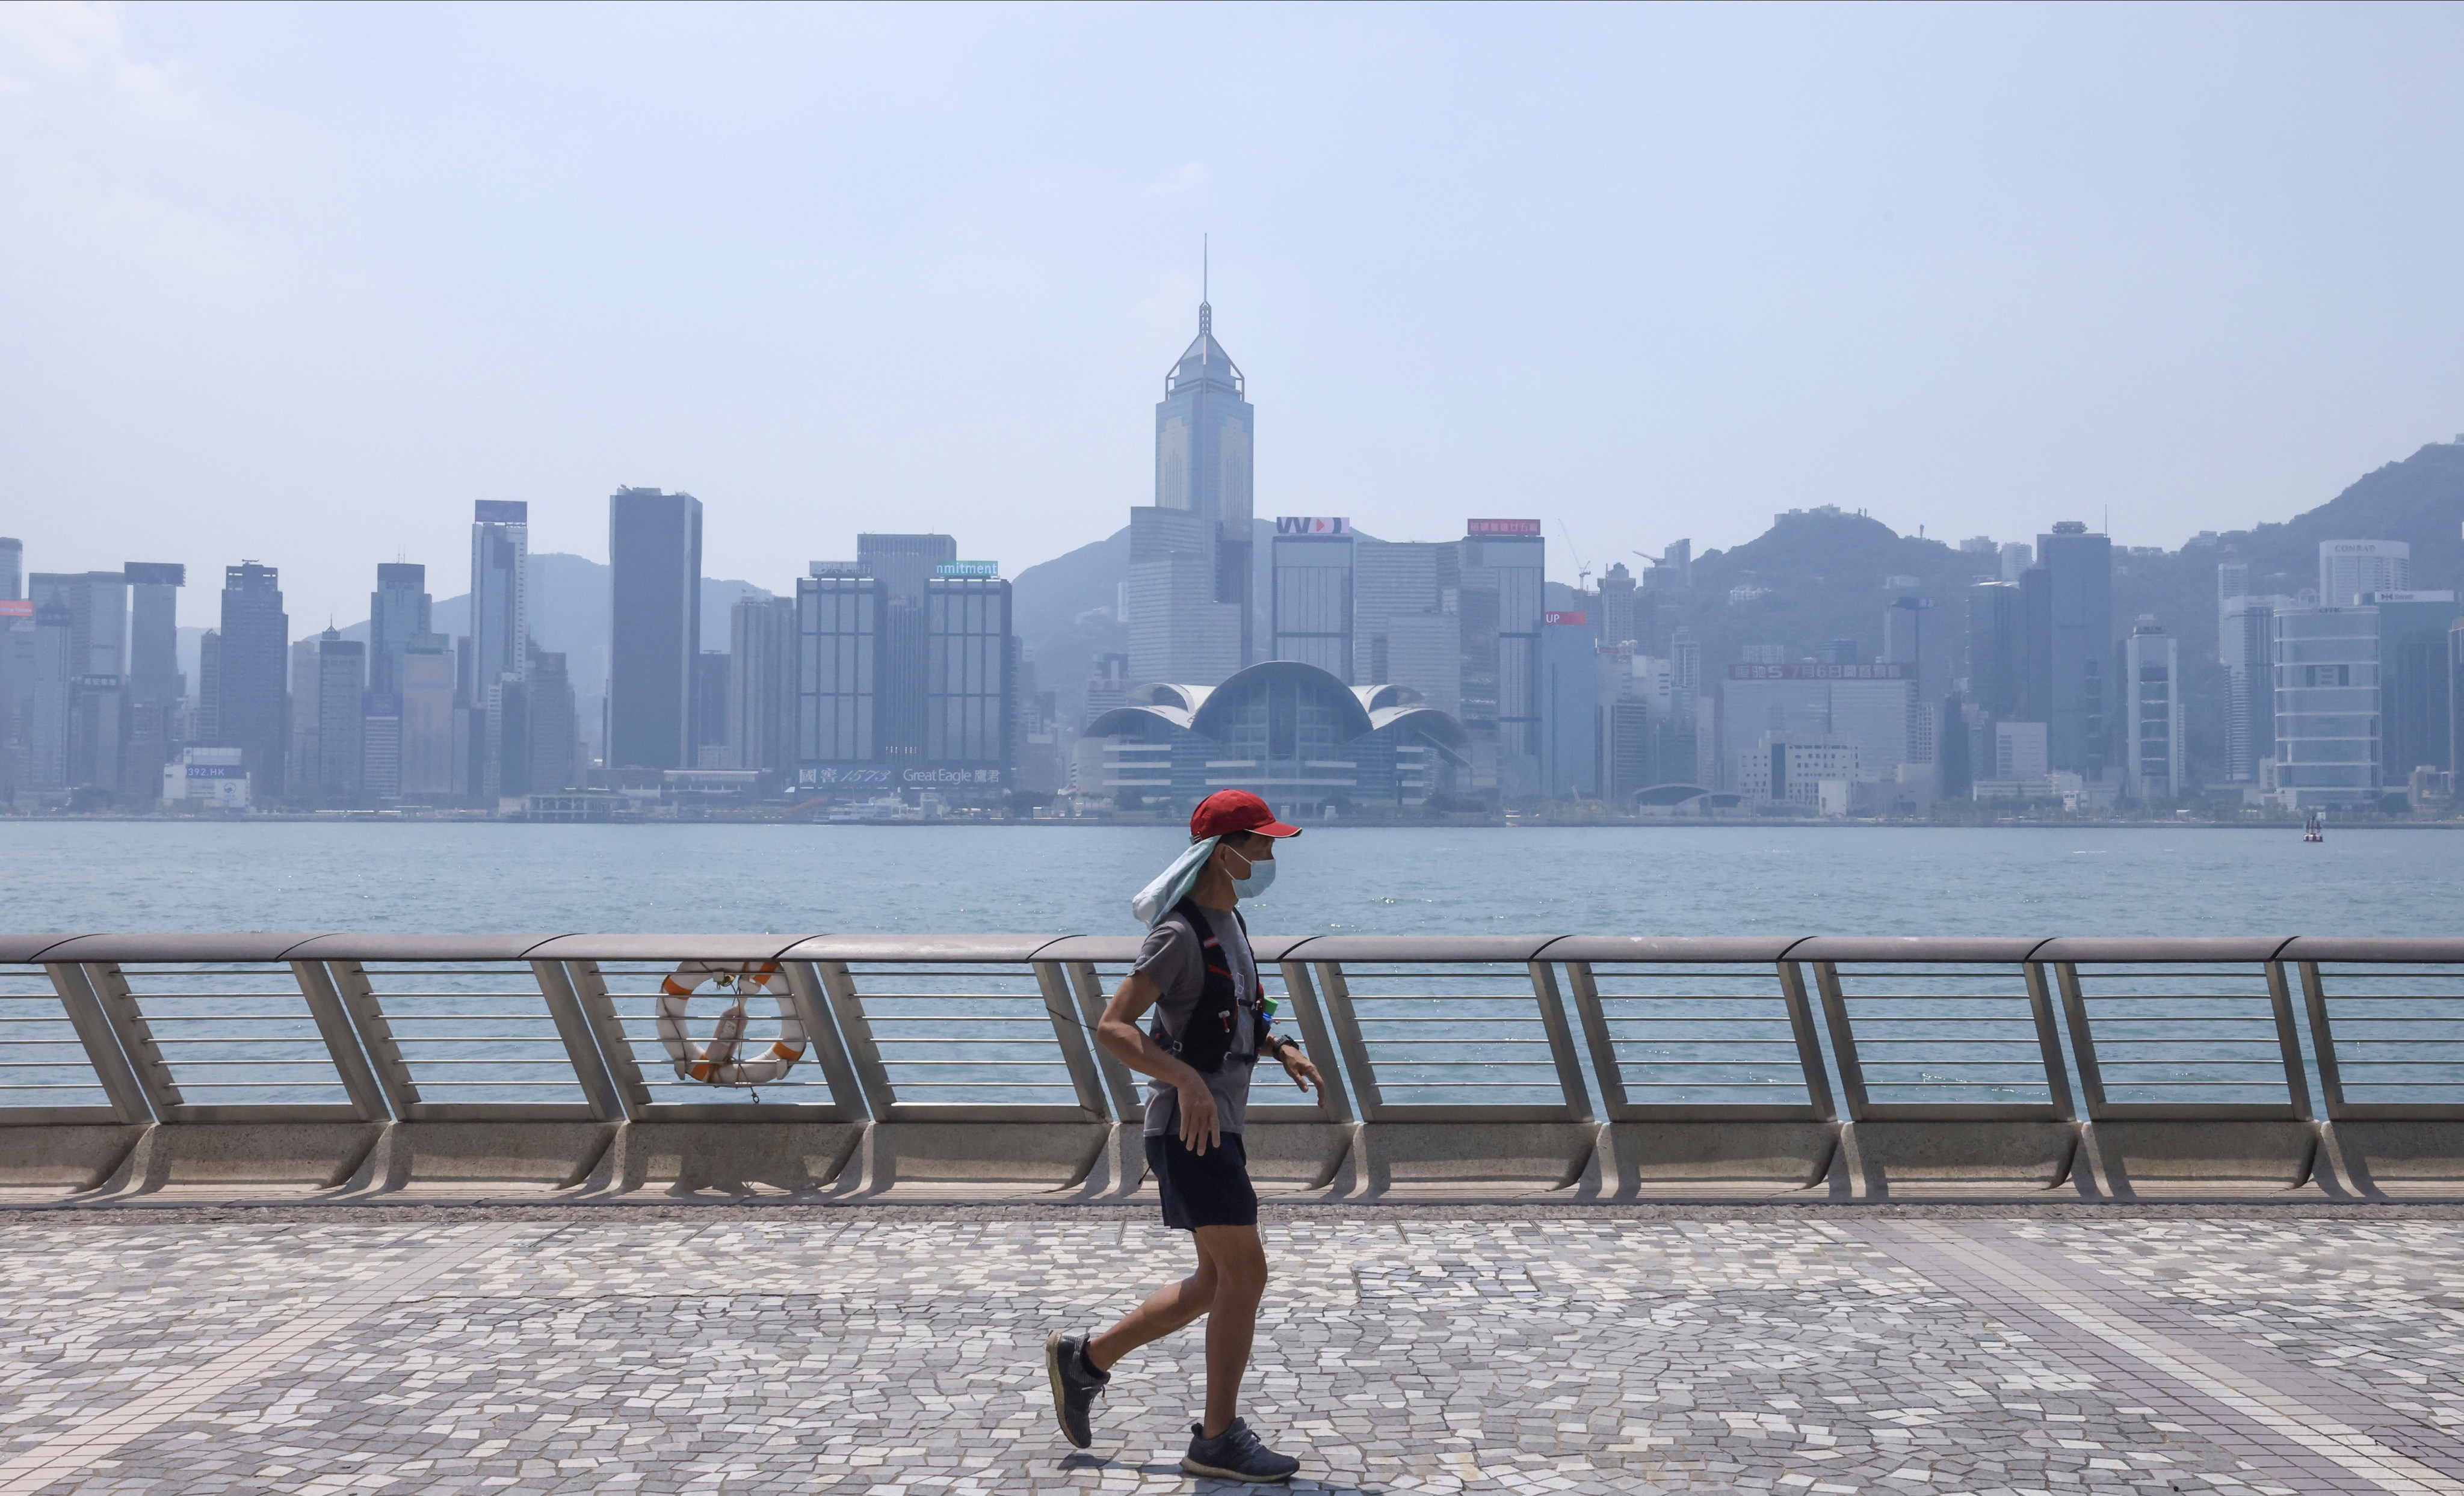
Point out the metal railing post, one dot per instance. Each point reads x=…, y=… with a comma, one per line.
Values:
x=1561, y=1041
x=1844, y=1037
x=1347, y=1039
x=109, y=985
x=573, y=1025
x=341, y=1041
x=812, y=1001
x=359, y=999
x=1809, y=1040
x=2288, y=1040
x=2323, y=1036
x=2049, y=1040
x=2083, y=1038
x=1075, y=1051
x=1315, y=1038
x=131, y=1098
x=1597, y=1036
x=1120, y=1082
x=879, y=1098
x=589, y=988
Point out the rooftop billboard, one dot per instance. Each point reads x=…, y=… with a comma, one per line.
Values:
x=1566, y=620
x=156, y=574
x=967, y=570
x=1501, y=527
x=501, y=511
x=1305, y=525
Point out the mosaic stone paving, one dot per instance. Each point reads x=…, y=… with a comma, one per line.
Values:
x=901, y=1357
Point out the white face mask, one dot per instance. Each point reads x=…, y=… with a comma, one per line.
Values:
x=1262, y=876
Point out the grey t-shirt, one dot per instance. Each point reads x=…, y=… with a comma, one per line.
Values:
x=1171, y=959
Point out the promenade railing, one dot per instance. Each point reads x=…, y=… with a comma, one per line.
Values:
x=510, y=1066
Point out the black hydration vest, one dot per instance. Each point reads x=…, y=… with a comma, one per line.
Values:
x=1205, y=1042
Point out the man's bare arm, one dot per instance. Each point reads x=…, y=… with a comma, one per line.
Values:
x=1119, y=1033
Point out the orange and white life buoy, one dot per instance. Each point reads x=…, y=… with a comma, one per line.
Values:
x=721, y=1062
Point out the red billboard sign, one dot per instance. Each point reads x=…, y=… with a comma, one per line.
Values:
x=1566, y=620
x=16, y=607
x=1501, y=527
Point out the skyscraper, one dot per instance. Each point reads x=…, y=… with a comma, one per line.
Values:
x=98, y=608
x=1917, y=634
x=1178, y=632
x=1205, y=430
x=2326, y=706
x=904, y=565
x=156, y=688
x=500, y=620
x=398, y=613
x=2152, y=762
x=1502, y=594
x=839, y=627
x=761, y=683
x=341, y=680
x=13, y=569
x=1310, y=599
x=249, y=698
x=1616, y=620
x=2070, y=645
x=381, y=745
x=2349, y=568
x=1405, y=629
x=904, y=562
x=427, y=718
x=655, y=583
x=1995, y=649
x=710, y=672
x=2414, y=681
x=2246, y=648
x=551, y=738
x=970, y=711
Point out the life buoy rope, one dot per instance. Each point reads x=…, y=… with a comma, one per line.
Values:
x=721, y=1062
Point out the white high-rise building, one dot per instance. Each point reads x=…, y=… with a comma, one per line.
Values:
x=2152, y=693
x=2349, y=568
x=2326, y=706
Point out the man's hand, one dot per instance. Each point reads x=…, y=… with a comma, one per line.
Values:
x=1304, y=1074
x=1200, y=1129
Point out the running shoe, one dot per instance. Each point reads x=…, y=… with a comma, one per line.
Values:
x=1235, y=1455
x=1074, y=1386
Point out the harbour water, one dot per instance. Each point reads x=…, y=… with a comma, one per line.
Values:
x=1718, y=880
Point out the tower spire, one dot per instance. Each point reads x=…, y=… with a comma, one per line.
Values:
x=1205, y=306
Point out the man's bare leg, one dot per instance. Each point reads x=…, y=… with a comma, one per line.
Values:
x=1237, y=1260
x=1167, y=1309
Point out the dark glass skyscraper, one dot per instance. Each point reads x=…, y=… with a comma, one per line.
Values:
x=654, y=564
x=905, y=566
x=250, y=709
x=2069, y=600
x=398, y=613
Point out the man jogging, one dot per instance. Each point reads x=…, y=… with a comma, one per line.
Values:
x=1210, y=1028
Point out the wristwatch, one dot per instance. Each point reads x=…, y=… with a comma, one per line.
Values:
x=1277, y=1044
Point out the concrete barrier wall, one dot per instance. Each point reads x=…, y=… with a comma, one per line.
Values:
x=1591, y=1067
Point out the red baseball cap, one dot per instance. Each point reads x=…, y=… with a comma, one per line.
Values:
x=1230, y=811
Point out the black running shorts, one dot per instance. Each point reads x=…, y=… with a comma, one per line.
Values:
x=1209, y=1189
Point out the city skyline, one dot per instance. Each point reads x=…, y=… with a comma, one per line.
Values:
x=1745, y=287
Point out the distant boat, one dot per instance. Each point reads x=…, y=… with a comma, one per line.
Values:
x=2314, y=829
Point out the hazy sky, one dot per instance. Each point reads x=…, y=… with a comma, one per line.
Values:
x=298, y=283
